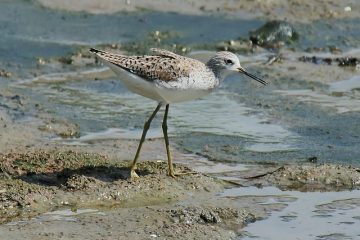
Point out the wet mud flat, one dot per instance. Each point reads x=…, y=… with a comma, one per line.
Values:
x=68, y=128
x=155, y=204
x=68, y=194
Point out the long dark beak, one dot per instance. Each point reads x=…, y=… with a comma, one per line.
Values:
x=242, y=70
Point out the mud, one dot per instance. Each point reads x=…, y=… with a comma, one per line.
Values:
x=307, y=178
x=4, y=73
x=54, y=178
x=39, y=181
x=341, y=62
x=42, y=181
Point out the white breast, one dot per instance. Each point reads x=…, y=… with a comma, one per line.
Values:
x=180, y=90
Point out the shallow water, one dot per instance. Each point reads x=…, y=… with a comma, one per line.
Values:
x=66, y=215
x=314, y=215
x=239, y=130
x=241, y=122
x=30, y=31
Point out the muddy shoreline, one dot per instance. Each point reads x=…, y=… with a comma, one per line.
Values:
x=59, y=181
x=94, y=191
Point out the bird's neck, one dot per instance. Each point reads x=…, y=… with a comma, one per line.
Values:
x=218, y=70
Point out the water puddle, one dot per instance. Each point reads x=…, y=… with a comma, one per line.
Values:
x=66, y=215
x=111, y=134
x=271, y=147
x=228, y=117
x=308, y=215
x=105, y=109
x=339, y=96
x=345, y=85
x=62, y=78
x=342, y=104
x=203, y=165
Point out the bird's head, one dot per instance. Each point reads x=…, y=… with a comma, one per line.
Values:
x=226, y=62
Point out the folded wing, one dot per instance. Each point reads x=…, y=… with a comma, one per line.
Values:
x=165, y=66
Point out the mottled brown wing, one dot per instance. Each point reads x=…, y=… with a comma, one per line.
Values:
x=166, y=53
x=162, y=67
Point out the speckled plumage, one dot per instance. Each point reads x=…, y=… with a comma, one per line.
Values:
x=158, y=76
x=165, y=66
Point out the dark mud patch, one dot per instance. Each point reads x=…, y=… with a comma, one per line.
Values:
x=305, y=178
x=4, y=73
x=274, y=34
x=201, y=218
x=340, y=61
x=208, y=214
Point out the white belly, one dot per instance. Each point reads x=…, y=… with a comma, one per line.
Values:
x=181, y=95
x=150, y=89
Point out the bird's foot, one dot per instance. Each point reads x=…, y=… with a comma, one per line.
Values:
x=177, y=174
x=133, y=174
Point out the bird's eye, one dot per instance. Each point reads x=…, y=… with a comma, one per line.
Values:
x=228, y=61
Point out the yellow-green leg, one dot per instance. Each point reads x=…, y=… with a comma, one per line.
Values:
x=171, y=171
x=145, y=129
x=165, y=128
